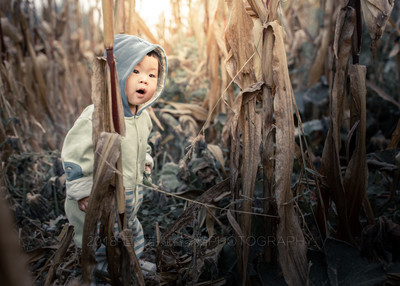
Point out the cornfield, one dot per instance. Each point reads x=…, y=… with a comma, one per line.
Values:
x=276, y=141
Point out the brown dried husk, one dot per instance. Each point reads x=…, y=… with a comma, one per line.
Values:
x=292, y=254
x=250, y=123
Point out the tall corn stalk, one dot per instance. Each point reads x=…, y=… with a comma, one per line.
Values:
x=349, y=192
x=275, y=125
x=108, y=195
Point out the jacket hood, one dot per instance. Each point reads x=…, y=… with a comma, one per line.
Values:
x=128, y=52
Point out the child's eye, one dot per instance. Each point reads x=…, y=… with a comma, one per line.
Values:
x=135, y=71
x=153, y=75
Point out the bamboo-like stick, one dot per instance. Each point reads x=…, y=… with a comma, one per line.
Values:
x=108, y=23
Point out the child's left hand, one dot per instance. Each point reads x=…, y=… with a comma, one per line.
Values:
x=147, y=168
x=147, y=181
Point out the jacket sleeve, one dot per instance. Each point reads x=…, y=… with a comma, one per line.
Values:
x=77, y=156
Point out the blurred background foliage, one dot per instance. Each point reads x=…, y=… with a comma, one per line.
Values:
x=46, y=50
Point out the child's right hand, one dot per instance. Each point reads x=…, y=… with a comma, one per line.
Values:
x=83, y=204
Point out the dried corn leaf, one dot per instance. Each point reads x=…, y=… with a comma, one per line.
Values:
x=107, y=152
x=251, y=140
x=119, y=109
x=235, y=225
x=376, y=14
x=213, y=69
x=332, y=181
x=234, y=161
x=101, y=116
x=355, y=179
x=218, y=155
x=155, y=118
x=292, y=255
x=195, y=110
x=268, y=135
x=239, y=45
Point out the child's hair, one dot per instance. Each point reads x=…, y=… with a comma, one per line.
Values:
x=154, y=54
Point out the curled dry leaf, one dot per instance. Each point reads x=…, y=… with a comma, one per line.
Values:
x=239, y=45
x=218, y=154
x=356, y=176
x=376, y=14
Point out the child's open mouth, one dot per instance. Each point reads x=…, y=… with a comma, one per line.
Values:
x=141, y=91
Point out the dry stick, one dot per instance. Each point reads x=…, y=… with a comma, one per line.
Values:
x=207, y=206
x=316, y=175
x=128, y=255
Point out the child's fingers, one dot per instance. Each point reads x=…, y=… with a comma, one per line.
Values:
x=82, y=207
x=147, y=169
x=83, y=203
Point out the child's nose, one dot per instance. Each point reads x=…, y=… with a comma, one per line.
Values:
x=143, y=79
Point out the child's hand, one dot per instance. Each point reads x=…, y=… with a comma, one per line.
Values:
x=83, y=204
x=147, y=181
x=147, y=168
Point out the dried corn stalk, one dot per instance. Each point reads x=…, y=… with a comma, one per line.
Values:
x=108, y=194
x=245, y=121
x=277, y=96
x=330, y=164
x=215, y=53
x=292, y=253
x=349, y=193
x=356, y=177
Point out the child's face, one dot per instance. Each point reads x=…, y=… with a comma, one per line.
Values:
x=142, y=83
